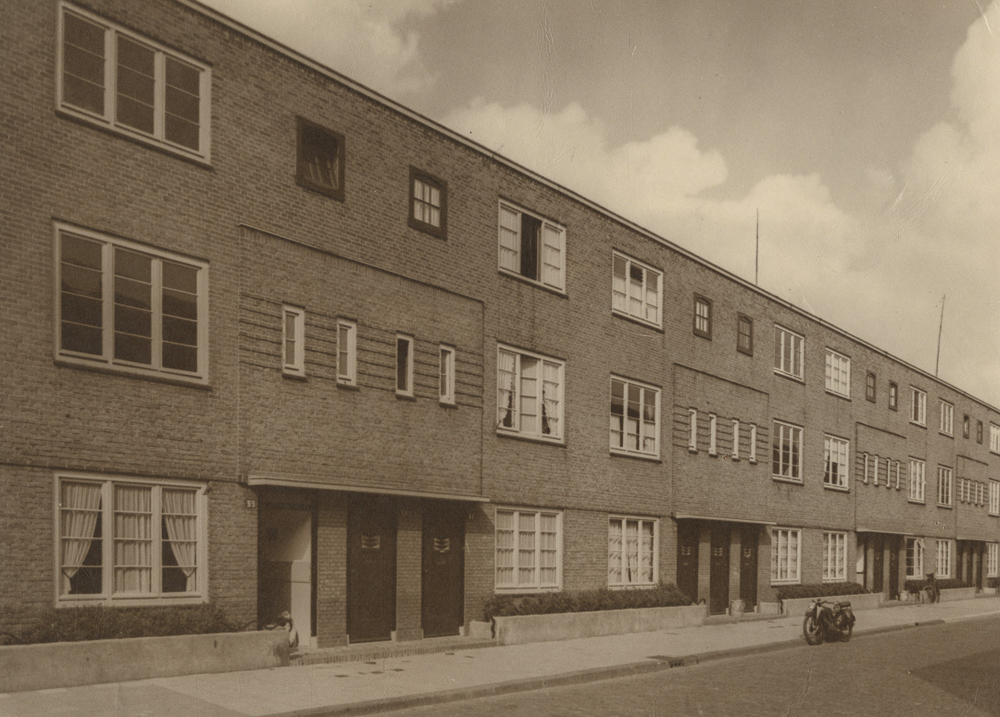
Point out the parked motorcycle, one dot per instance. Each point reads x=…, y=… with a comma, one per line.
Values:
x=828, y=621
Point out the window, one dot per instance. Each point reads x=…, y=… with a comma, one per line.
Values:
x=893, y=397
x=943, y=559
x=404, y=365
x=835, y=453
x=994, y=438
x=347, y=352
x=917, y=480
x=712, y=434
x=786, y=453
x=994, y=497
x=293, y=321
x=785, y=555
x=944, y=486
x=636, y=289
x=866, y=469
x=875, y=471
x=744, y=335
x=635, y=417
x=320, y=159
x=896, y=470
x=918, y=406
x=736, y=439
x=122, y=540
x=979, y=431
x=966, y=426
x=702, y=317
x=834, y=557
x=111, y=77
x=632, y=552
x=529, y=394
x=915, y=558
x=125, y=305
x=753, y=442
x=693, y=430
x=528, y=550
x=870, y=385
x=447, y=375
x=532, y=247
x=838, y=373
x=788, y=352
x=947, y=417
x=993, y=560
x=428, y=203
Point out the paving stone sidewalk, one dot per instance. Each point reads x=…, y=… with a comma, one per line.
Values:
x=403, y=681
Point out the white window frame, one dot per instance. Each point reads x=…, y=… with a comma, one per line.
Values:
x=896, y=464
x=946, y=423
x=713, y=426
x=407, y=375
x=793, y=434
x=515, y=401
x=551, y=247
x=155, y=595
x=753, y=442
x=865, y=472
x=994, y=497
x=693, y=430
x=942, y=569
x=297, y=365
x=789, y=360
x=918, y=406
x=893, y=396
x=945, y=485
x=446, y=374
x=789, y=574
x=918, y=481
x=622, y=427
x=875, y=470
x=108, y=118
x=834, y=557
x=654, y=554
x=347, y=352
x=623, y=288
x=838, y=373
x=888, y=473
x=993, y=560
x=107, y=356
x=736, y=439
x=517, y=585
x=994, y=438
x=914, y=558
x=840, y=448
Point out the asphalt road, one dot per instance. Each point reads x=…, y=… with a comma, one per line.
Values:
x=935, y=670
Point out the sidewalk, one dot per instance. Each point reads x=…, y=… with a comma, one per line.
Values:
x=407, y=681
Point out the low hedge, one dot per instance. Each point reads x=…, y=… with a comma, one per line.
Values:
x=809, y=590
x=992, y=582
x=915, y=586
x=102, y=623
x=662, y=595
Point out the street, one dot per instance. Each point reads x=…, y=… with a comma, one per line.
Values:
x=945, y=669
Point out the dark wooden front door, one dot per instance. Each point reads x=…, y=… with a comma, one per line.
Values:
x=718, y=585
x=442, y=590
x=687, y=558
x=878, y=562
x=894, y=541
x=748, y=566
x=980, y=550
x=371, y=571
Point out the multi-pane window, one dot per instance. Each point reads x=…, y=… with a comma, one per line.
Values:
x=532, y=247
x=293, y=326
x=786, y=452
x=125, y=305
x=347, y=352
x=428, y=203
x=994, y=498
x=893, y=396
x=946, y=418
x=918, y=480
x=994, y=438
x=121, y=540
x=870, y=385
x=635, y=417
x=631, y=552
x=404, y=365
x=838, y=373
x=788, y=352
x=636, y=289
x=943, y=570
x=529, y=394
x=114, y=78
x=744, y=334
x=944, y=485
x=786, y=555
x=834, y=557
x=914, y=558
x=320, y=159
x=528, y=550
x=836, y=455
x=993, y=560
x=446, y=374
x=918, y=406
x=702, y=317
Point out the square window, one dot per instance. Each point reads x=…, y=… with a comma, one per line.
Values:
x=446, y=384
x=918, y=406
x=635, y=417
x=293, y=325
x=917, y=480
x=786, y=555
x=636, y=289
x=320, y=159
x=404, y=365
x=788, y=352
x=915, y=558
x=702, y=317
x=946, y=418
x=836, y=456
x=528, y=552
x=838, y=373
x=529, y=394
x=532, y=247
x=786, y=452
x=834, y=557
x=870, y=384
x=744, y=334
x=428, y=203
x=632, y=552
x=944, y=485
x=347, y=352
x=893, y=397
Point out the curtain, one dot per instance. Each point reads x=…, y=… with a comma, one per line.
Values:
x=550, y=399
x=81, y=506
x=506, y=389
x=133, y=539
x=615, y=552
x=180, y=517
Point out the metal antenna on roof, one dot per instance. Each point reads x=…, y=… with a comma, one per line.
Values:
x=937, y=362
x=756, y=258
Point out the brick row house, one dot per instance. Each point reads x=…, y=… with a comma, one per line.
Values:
x=274, y=341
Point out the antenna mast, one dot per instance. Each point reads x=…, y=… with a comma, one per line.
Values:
x=756, y=257
x=937, y=363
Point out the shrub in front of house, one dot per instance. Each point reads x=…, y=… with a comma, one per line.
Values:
x=662, y=595
x=810, y=590
x=915, y=586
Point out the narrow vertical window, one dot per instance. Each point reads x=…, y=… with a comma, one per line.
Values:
x=946, y=418
x=693, y=430
x=966, y=426
x=943, y=559
x=736, y=439
x=918, y=406
x=712, y=431
x=293, y=341
x=893, y=397
x=875, y=471
x=702, y=317
x=979, y=431
x=786, y=452
x=870, y=385
x=753, y=442
x=944, y=485
x=404, y=365
x=428, y=203
x=865, y=479
x=744, y=335
x=347, y=352
x=917, y=480
x=789, y=349
x=994, y=508
x=447, y=375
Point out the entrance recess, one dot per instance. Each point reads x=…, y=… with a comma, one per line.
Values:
x=687, y=558
x=371, y=571
x=284, y=578
x=878, y=562
x=442, y=591
x=894, y=548
x=748, y=566
x=719, y=575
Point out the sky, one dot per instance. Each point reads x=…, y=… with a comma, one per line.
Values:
x=866, y=133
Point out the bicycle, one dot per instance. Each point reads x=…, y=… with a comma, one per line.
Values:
x=930, y=592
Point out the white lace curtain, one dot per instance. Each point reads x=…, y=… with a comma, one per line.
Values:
x=133, y=539
x=81, y=506
x=506, y=388
x=181, y=521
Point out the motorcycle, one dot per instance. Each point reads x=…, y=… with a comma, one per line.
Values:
x=828, y=621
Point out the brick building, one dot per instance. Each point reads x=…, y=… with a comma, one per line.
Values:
x=275, y=341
